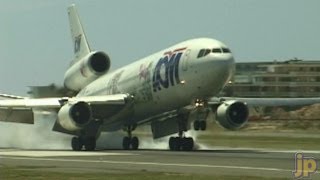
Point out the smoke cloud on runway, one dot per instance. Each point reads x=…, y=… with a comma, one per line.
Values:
x=110, y=140
x=33, y=136
x=41, y=136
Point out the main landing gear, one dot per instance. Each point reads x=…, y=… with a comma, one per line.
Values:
x=181, y=142
x=89, y=143
x=200, y=125
x=130, y=142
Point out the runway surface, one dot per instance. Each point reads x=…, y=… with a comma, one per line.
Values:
x=238, y=162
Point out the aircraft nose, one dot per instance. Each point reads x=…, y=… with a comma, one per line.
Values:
x=210, y=74
x=229, y=60
x=221, y=67
x=225, y=60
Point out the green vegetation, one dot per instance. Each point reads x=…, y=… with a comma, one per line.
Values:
x=36, y=173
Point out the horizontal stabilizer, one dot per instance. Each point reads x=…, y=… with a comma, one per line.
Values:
x=50, y=91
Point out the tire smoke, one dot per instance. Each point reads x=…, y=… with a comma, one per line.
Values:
x=33, y=136
x=41, y=136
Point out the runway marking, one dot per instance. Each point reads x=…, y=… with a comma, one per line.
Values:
x=59, y=153
x=155, y=164
x=267, y=150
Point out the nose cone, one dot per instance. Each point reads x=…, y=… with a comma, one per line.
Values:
x=215, y=71
x=209, y=68
x=227, y=63
x=221, y=67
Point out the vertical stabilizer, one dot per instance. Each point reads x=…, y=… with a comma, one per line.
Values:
x=81, y=46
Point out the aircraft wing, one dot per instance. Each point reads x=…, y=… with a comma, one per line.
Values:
x=268, y=101
x=19, y=109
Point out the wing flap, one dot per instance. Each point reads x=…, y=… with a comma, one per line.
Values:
x=22, y=115
x=117, y=99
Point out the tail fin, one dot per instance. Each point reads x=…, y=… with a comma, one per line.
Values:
x=81, y=46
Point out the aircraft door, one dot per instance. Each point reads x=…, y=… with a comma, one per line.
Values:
x=185, y=61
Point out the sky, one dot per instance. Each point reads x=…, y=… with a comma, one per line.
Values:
x=36, y=46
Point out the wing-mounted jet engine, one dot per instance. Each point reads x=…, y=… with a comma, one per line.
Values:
x=73, y=117
x=86, y=70
x=232, y=114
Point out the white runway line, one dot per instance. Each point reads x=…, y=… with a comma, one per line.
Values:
x=266, y=150
x=155, y=164
x=42, y=153
x=59, y=153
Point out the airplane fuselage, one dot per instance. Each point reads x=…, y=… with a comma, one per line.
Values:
x=169, y=79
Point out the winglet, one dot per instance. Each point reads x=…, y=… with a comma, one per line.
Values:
x=81, y=45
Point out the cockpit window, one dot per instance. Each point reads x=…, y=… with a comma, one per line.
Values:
x=216, y=50
x=204, y=52
x=226, y=50
x=201, y=52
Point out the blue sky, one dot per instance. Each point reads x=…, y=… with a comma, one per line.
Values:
x=36, y=46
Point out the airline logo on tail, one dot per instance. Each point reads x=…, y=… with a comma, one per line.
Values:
x=77, y=42
x=170, y=64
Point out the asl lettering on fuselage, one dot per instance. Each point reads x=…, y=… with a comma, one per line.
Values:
x=170, y=63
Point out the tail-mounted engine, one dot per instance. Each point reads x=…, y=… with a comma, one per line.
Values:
x=232, y=114
x=86, y=70
x=74, y=117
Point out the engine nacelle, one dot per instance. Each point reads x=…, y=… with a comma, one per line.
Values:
x=86, y=70
x=74, y=117
x=232, y=114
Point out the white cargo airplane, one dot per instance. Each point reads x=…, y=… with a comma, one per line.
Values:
x=161, y=89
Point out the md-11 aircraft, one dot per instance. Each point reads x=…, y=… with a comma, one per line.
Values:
x=162, y=90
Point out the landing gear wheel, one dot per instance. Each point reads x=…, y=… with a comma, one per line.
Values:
x=203, y=125
x=187, y=144
x=130, y=142
x=177, y=144
x=172, y=142
x=196, y=125
x=76, y=144
x=135, y=143
x=126, y=143
x=90, y=144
